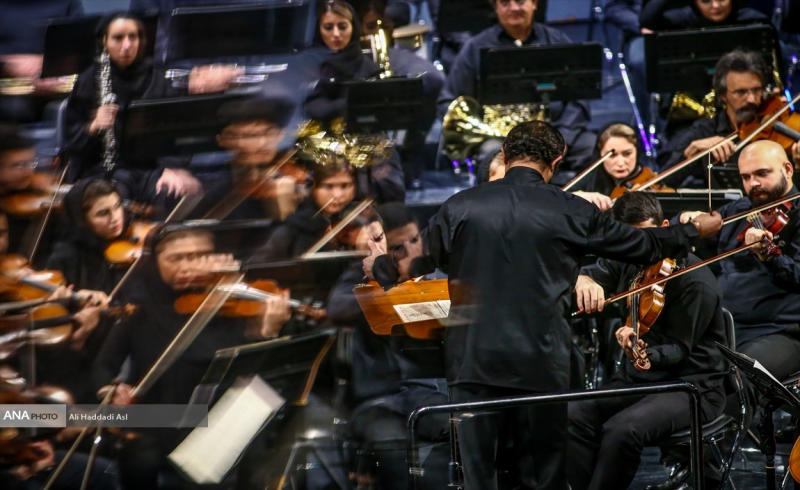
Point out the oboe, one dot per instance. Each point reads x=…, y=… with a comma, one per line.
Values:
x=106, y=96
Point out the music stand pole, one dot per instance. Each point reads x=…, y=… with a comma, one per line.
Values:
x=766, y=430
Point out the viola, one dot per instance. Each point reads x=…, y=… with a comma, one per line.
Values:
x=124, y=251
x=785, y=130
x=647, y=306
x=246, y=300
x=644, y=176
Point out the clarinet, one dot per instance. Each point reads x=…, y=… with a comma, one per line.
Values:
x=104, y=97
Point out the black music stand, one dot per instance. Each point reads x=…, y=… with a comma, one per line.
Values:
x=239, y=30
x=306, y=278
x=70, y=45
x=726, y=177
x=179, y=126
x=390, y=104
x=685, y=60
x=540, y=74
x=776, y=396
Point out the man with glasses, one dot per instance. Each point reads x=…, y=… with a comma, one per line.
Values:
x=739, y=80
x=516, y=26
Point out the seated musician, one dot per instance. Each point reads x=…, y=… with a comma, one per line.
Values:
x=252, y=133
x=517, y=27
x=618, y=169
x=338, y=56
x=740, y=78
x=662, y=15
x=333, y=188
x=762, y=292
x=606, y=435
x=181, y=260
x=132, y=76
x=381, y=393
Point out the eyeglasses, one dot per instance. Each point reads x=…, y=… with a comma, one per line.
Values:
x=22, y=165
x=506, y=3
x=743, y=92
x=399, y=252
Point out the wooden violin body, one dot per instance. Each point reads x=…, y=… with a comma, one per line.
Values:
x=246, y=300
x=42, y=194
x=778, y=131
x=651, y=303
x=124, y=251
x=19, y=283
x=425, y=300
x=644, y=176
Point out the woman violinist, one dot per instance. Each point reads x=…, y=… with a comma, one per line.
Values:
x=180, y=261
x=333, y=187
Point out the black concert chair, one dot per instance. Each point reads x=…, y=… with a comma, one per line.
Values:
x=717, y=429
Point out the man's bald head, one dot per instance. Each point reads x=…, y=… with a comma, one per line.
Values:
x=766, y=171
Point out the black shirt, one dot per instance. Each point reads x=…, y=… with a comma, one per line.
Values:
x=681, y=341
x=512, y=249
x=658, y=16
x=719, y=125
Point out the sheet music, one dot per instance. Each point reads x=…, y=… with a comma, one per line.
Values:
x=209, y=453
x=761, y=368
x=417, y=312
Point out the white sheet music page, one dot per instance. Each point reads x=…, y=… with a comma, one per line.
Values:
x=208, y=453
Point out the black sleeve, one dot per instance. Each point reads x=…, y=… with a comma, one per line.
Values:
x=606, y=273
x=79, y=113
x=784, y=270
x=686, y=321
x=385, y=181
x=624, y=14
x=112, y=355
x=652, y=16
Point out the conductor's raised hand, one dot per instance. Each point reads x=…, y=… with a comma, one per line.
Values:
x=590, y=295
x=375, y=250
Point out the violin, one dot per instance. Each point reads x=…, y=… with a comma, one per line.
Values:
x=646, y=307
x=644, y=176
x=267, y=189
x=42, y=194
x=18, y=282
x=246, y=300
x=124, y=251
x=773, y=221
x=785, y=130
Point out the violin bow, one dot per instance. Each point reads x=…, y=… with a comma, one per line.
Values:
x=47, y=215
x=588, y=170
x=760, y=209
x=243, y=190
x=336, y=229
x=766, y=123
x=663, y=175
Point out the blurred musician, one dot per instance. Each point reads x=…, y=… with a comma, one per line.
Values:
x=22, y=33
x=339, y=40
x=181, y=261
x=517, y=27
x=17, y=165
x=333, y=187
x=132, y=76
x=662, y=15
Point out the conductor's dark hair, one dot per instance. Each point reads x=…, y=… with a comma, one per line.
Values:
x=739, y=61
x=536, y=141
x=277, y=111
x=11, y=138
x=395, y=215
x=633, y=208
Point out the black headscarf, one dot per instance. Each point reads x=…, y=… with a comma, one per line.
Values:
x=80, y=254
x=132, y=81
x=349, y=62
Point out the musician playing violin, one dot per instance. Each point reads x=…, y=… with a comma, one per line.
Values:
x=762, y=292
x=181, y=260
x=606, y=434
x=740, y=80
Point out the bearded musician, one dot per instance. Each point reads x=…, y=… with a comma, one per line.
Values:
x=762, y=292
